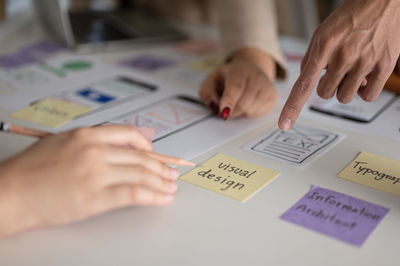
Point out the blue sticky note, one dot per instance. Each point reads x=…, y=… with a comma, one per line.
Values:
x=95, y=96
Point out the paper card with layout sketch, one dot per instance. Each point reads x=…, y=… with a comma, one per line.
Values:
x=167, y=116
x=299, y=146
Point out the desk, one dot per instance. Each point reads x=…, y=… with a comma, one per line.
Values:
x=205, y=228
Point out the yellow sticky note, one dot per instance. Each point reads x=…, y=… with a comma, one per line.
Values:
x=51, y=112
x=230, y=177
x=207, y=64
x=374, y=171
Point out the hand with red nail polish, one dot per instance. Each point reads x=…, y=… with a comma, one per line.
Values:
x=225, y=113
x=243, y=87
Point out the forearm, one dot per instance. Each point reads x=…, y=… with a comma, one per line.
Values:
x=12, y=220
x=250, y=24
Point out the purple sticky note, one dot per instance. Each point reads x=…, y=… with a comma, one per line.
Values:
x=148, y=63
x=31, y=53
x=336, y=214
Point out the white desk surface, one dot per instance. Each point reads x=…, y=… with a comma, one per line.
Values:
x=205, y=228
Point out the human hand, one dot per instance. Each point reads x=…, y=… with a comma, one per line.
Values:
x=80, y=173
x=397, y=69
x=243, y=86
x=359, y=40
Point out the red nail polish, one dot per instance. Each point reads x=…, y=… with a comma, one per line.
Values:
x=225, y=113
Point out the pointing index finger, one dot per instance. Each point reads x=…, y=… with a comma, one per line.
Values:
x=300, y=93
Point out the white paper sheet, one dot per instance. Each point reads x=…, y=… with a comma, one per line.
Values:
x=358, y=110
x=299, y=146
x=167, y=116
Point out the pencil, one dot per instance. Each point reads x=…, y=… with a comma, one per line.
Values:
x=170, y=159
x=6, y=127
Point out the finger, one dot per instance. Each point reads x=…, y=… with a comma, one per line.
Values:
x=209, y=91
x=139, y=176
x=149, y=133
x=120, y=155
x=304, y=61
x=376, y=82
x=126, y=195
x=312, y=49
x=270, y=98
x=168, y=159
x=334, y=75
x=397, y=68
x=260, y=97
x=120, y=135
x=352, y=82
x=306, y=57
x=364, y=82
x=300, y=93
x=145, y=196
x=234, y=86
x=248, y=99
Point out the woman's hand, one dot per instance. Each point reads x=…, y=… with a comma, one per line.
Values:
x=80, y=173
x=359, y=40
x=244, y=85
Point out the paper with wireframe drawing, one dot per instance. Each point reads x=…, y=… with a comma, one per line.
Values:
x=299, y=146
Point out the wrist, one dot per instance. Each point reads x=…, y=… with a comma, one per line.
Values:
x=13, y=217
x=258, y=57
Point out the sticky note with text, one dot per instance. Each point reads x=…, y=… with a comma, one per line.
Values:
x=51, y=112
x=336, y=214
x=207, y=64
x=374, y=171
x=230, y=177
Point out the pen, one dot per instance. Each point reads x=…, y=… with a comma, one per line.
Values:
x=6, y=127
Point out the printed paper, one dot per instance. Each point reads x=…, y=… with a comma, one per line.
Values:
x=299, y=146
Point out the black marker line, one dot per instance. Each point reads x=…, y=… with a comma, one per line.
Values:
x=284, y=147
x=294, y=146
x=282, y=150
x=278, y=153
x=276, y=156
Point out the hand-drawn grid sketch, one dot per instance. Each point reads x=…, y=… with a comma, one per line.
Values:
x=298, y=146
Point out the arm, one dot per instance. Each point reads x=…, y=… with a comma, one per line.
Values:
x=358, y=45
x=249, y=38
x=78, y=174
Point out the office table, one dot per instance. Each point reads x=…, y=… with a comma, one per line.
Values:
x=204, y=228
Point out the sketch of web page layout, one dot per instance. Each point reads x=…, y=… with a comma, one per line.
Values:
x=299, y=146
x=167, y=116
x=106, y=93
x=358, y=110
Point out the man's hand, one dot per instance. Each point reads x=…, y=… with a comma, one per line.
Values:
x=358, y=45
